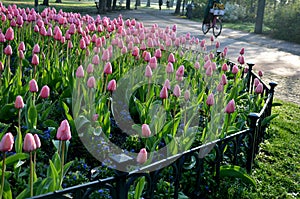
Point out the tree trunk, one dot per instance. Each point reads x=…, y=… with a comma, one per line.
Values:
x=46, y=3
x=114, y=4
x=128, y=4
x=58, y=1
x=260, y=16
x=177, y=9
x=148, y=3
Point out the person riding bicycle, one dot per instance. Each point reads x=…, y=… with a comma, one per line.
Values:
x=207, y=15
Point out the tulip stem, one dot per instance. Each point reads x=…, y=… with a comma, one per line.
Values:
x=31, y=176
x=3, y=174
x=62, y=161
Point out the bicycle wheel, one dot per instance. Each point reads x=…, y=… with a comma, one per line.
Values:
x=217, y=28
x=205, y=28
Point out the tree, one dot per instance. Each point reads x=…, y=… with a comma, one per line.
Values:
x=260, y=16
x=58, y=1
x=178, y=5
x=45, y=3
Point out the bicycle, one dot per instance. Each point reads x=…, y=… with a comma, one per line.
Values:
x=215, y=23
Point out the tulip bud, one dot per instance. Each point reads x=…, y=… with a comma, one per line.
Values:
x=176, y=91
x=37, y=141
x=107, y=68
x=146, y=132
x=259, y=88
x=230, y=108
x=29, y=143
x=8, y=50
x=210, y=100
x=164, y=93
x=45, y=92
x=80, y=72
x=9, y=35
x=19, y=102
x=112, y=85
x=171, y=58
x=235, y=69
x=187, y=95
x=148, y=72
x=180, y=71
x=91, y=82
x=33, y=87
x=7, y=142
x=142, y=156
x=35, y=60
x=90, y=69
x=64, y=131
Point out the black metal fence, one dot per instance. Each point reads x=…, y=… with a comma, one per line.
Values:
x=241, y=149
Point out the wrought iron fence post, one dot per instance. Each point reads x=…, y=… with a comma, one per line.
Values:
x=272, y=91
x=249, y=76
x=121, y=185
x=250, y=156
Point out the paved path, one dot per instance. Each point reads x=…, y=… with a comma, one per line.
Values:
x=279, y=60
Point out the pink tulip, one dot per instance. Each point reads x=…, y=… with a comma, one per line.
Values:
x=224, y=79
x=260, y=73
x=80, y=72
x=202, y=43
x=108, y=68
x=214, y=66
x=146, y=132
x=21, y=46
x=157, y=53
x=82, y=44
x=105, y=55
x=70, y=44
x=230, y=108
x=33, y=87
x=19, y=102
x=209, y=71
x=64, y=131
x=220, y=87
x=210, y=100
x=37, y=141
x=187, y=95
x=21, y=54
x=96, y=60
x=225, y=51
x=124, y=50
x=164, y=93
x=9, y=35
x=8, y=50
x=241, y=59
x=174, y=28
x=171, y=58
x=180, y=71
x=225, y=67
x=135, y=51
x=242, y=51
x=246, y=69
x=259, y=88
x=148, y=71
x=147, y=56
x=7, y=142
x=176, y=91
x=256, y=82
x=35, y=60
x=142, y=156
x=29, y=143
x=212, y=38
x=197, y=65
x=2, y=37
x=207, y=64
x=167, y=84
x=36, y=49
x=217, y=44
x=45, y=92
x=170, y=68
x=90, y=69
x=112, y=85
x=91, y=82
x=235, y=69
x=153, y=62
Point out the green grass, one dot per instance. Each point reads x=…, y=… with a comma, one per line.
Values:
x=246, y=27
x=277, y=166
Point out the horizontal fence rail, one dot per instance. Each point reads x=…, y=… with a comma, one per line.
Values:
x=236, y=149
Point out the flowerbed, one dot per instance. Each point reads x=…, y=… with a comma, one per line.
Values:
x=110, y=89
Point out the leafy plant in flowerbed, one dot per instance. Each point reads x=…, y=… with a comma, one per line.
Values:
x=111, y=82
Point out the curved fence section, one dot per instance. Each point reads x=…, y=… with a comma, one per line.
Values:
x=236, y=149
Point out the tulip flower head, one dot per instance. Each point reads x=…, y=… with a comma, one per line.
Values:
x=260, y=73
x=107, y=68
x=8, y=50
x=235, y=69
x=176, y=91
x=35, y=60
x=164, y=93
x=19, y=104
x=33, y=87
x=148, y=72
x=64, y=131
x=210, y=100
x=80, y=72
x=142, y=156
x=146, y=132
x=91, y=82
x=187, y=95
x=29, y=143
x=230, y=108
x=37, y=141
x=112, y=85
x=9, y=35
x=259, y=88
x=45, y=92
x=7, y=142
x=171, y=58
x=180, y=71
